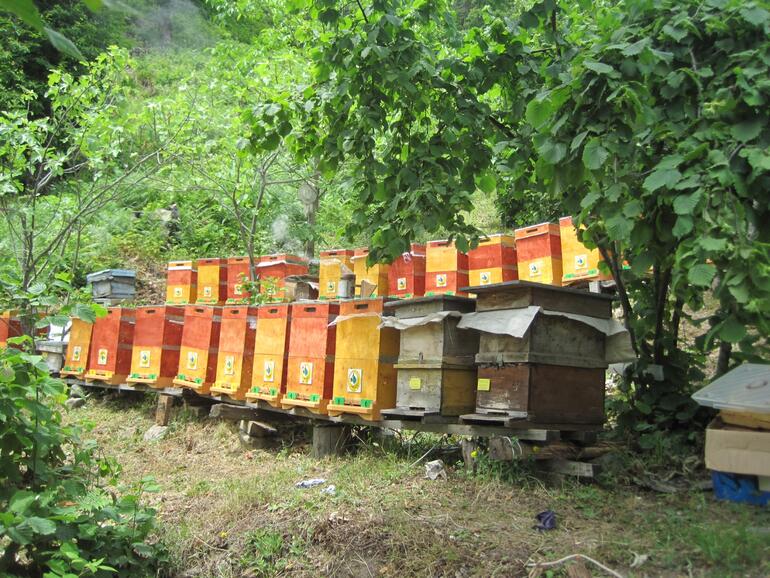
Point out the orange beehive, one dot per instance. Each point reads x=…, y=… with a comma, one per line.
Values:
x=493, y=261
x=157, y=340
x=377, y=274
x=10, y=326
x=237, y=275
x=579, y=263
x=334, y=263
x=212, y=281
x=276, y=268
x=76, y=361
x=364, y=372
x=235, y=361
x=271, y=353
x=112, y=338
x=310, y=371
x=406, y=278
x=200, y=344
x=446, y=268
x=181, y=282
x=538, y=250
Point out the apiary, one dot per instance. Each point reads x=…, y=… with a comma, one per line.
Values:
x=538, y=253
x=333, y=264
x=406, y=278
x=493, y=261
x=76, y=358
x=376, y=275
x=446, y=268
x=199, y=349
x=112, y=338
x=276, y=268
x=157, y=341
x=271, y=354
x=238, y=275
x=579, y=263
x=181, y=282
x=212, y=281
x=235, y=360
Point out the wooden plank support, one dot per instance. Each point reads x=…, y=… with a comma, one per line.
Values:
x=329, y=440
x=257, y=429
x=232, y=412
x=469, y=447
x=570, y=467
x=163, y=409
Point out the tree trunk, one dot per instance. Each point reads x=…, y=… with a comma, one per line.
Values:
x=723, y=361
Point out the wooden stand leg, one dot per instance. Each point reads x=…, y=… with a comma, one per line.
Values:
x=329, y=440
x=469, y=447
x=163, y=410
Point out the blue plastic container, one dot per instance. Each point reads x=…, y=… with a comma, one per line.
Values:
x=738, y=488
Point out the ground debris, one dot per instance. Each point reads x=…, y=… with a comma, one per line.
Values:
x=435, y=470
x=156, y=432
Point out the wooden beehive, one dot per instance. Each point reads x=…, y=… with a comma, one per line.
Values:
x=376, y=275
x=112, y=338
x=157, y=341
x=310, y=370
x=269, y=375
x=554, y=373
x=406, y=278
x=10, y=326
x=235, y=360
x=199, y=349
x=276, y=268
x=364, y=364
x=333, y=264
x=446, y=268
x=538, y=253
x=212, y=281
x=237, y=275
x=76, y=359
x=493, y=261
x=579, y=263
x=181, y=282
x=436, y=364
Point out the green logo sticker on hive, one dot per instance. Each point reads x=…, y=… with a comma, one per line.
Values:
x=581, y=261
x=102, y=357
x=306, y=373
x=441, y=280
x=401, y=283
x=355, y=380
x=229, y=368
x=192, y=360
x=331, y=286
x=269, y=374
x=534, y=268
x=144, y=358
x=76, y=353
x=485, y=278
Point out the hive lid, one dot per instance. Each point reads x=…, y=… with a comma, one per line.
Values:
x=511, y=286
x=745, y=388
x=110, y=274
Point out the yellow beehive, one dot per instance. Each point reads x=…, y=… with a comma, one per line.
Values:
x=181, y=282
x=333, y=264
x=376, y=274
x=578, y=261
x=268, y=381
x=212, y=281
x=235, y=359
x=76, y=362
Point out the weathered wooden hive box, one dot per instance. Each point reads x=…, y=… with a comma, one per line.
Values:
x=237, y=275
x=542, y=352
x=235, y=361
x=157, y=341
x=579, y=263
x=181, y=282
x=200, y=346
x=376, y=275
x=312, y=342
x=436, y=364
x=112, y=284
x=446, y=268
x=271, y=353
x=364, y=365
x=212, y=281
x=406, y=278
x=276, y=268
x=112, y=338
x=10, y=326
x=493, y=261
x=332, y=265
x=538, y=252
x=76, y=359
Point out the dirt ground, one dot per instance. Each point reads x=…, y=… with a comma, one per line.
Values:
x=230, y=512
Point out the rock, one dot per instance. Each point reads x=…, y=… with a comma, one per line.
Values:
x=77, y=391
x=75, y=402
x=435, y=470
x=156, y=432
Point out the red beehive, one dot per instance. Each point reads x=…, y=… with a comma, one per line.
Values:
x=446, y=268
x=235, y=359
x=212, y=281
x=198, y=353
x=157, y=339
x=112, y=338
x=493, y=261
x=406, y=278
x=538, y=251
x=310, y=379
x=277, y=267
x=237, y=274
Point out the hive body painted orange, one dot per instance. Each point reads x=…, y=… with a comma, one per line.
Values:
x=199, y=349
x=236, y=351
x=579, y=263
x=76, y=360
x=157, y=341
x=538, y=251
x=10, y=326
x=181, y=283
x=112, y=338
x=376, y=275
x=310, y=372
x=446, y=268
x=237, y=275
x=493, y=261
x=406, y=278
x=334, y=263
x=212, y=281
x=276, y=268
x=271, y=353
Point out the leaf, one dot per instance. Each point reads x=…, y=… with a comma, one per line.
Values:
x=635, y=48
x=619, y=227
x=712, y=243
x=552, y=152
x=84, y=312
x=755, y=15
x=41, y=525
x=63, y=44
x=685, y=204
x=732, y=330
x=594, y=154
x=702, y=274
x=93, y=5
x=683, y=226
x=747, y=130
x=632, y=208
x=538, y=112
x=487, y=183
x=661, y=178
x=26, y=10
x=598, y=67
x=578, y=140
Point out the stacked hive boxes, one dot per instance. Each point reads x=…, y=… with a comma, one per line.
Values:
x=235, y=359
x=112, y=339
x=272, y=270
x=538, y=251
x=493, y=261
x=76, y=360
x=199, y=348
x=406, y=278
x=212, y=281
x=446, y=268
x=181, y=283
x=157, y=340
x=270, y=354
x=333, y=264
x=376, y=275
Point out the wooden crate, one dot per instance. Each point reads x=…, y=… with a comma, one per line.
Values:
x=277, y=267
x=364, y=372
x=181, y=282
x=312, y=342
x=112, y=339
x=10, y=326
x=271, y=354
x=199, y=349
x=377, y=274
x=436, y=364
x=235, y=361
x=579, y=263
x=76, y=359
x=157, y=341
x=237, y=275
x=212, y=281
x=493, y=261
x=538, y=252
x=406, y=278
x=333, y=264
x=446, y=268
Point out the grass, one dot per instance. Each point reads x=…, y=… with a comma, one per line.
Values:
x=229, y=512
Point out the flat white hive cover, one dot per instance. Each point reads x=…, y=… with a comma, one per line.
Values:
x=745, y=388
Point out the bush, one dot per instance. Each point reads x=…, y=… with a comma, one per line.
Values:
x=62, y=512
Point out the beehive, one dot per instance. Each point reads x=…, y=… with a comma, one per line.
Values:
x=276, y=268
x=200, y=347
x=538, y=252
x=377, y=274
x=181, y=282
x=310, y=371
x=446, y=268
x=212, y=281
x=76, y=360
x=493, y=261
x=112, y=338
x=157, y=341
x=406, y=278
x=237, y=275
x=364, y=364
x=333, y=264
x=236, y=351
x=436, y=364
x=579, y=263
x=10, y=326
x=271, y=353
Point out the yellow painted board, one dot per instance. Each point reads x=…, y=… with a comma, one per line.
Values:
x=365, y=379
x=546, y=270
x=491, y=275
x=578, y=261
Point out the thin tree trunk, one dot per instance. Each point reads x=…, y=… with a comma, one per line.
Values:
x=723, y=361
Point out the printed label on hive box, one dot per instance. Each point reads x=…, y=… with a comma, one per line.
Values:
x=101, y=358
x=229, y=365
x=441, y=280
x=177, y=291
x=76, y=353
x=483, y=384
x=485, y=278
x=401, y=283
x=207, y=291
x=415, y=383
x=535, y=268
x=355, y=381
x=192, y=360
x=306, y=373
x=269, y=373
x=581, y=261
x=144, y=358
x=331, y=287
x=238, y=289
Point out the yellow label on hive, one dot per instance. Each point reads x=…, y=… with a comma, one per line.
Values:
x=177, y=291
x=483, y=384
x=485, y=278
x=535, y=269
x=76, y=353
x=401, y=283
x=192, y=360
x=207, y=291
x=144, y=358
x=581, y=261
x=102, y=357
x=441, y=280
x=306, y=373
x=355, y=380
x=269, y=373
x=229, y=368
x=415, y=383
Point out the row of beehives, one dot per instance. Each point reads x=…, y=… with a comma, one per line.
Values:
x=521, y=350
